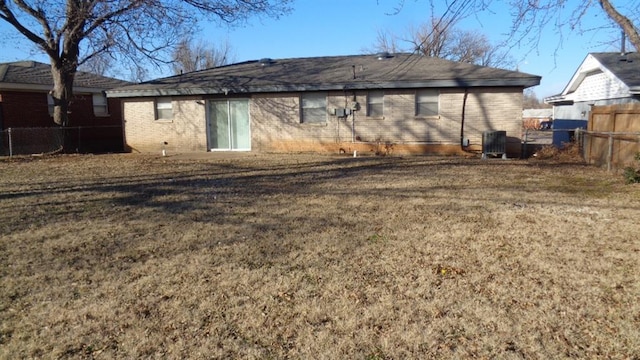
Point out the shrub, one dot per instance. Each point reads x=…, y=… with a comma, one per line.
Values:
x=631, y=174
x=569, y=152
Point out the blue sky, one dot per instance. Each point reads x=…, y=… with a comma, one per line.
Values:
x=347, y=27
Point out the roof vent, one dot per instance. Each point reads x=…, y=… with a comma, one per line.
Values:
x=383, y=55
x=625, y=58
x=266, y=61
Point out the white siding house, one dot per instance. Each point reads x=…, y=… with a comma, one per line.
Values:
x=601, y=79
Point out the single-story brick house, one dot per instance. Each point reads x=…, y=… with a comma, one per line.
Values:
x=404, y=102
x=25, y=103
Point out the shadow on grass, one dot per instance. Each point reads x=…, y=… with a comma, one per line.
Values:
x=209, y=186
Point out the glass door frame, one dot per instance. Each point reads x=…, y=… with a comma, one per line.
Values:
x=209, y=114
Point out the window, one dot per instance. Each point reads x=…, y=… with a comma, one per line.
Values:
x=314, y=108
x=375, y=103
x=50, y=104
x=100, y=105
x=427, y=103
x=164, y=110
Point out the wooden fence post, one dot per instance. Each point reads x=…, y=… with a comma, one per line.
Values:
x=610, y=152
x=10, y=143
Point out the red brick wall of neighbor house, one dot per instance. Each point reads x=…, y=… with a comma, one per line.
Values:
x=98, y=133
x=29, y=109
x=24, y=109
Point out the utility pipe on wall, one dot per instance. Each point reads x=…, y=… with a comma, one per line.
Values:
x=464, y=106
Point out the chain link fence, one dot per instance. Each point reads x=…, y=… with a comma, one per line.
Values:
x=50, y=140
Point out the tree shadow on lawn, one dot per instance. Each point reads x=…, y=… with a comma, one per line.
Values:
x=119, y=222
x=255, y=202
x=216, y=188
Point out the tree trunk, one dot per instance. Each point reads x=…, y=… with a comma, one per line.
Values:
x=63, y=74
x=623, y=21
x=62, y=91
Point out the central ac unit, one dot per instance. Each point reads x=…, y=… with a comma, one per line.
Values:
x=494, y=143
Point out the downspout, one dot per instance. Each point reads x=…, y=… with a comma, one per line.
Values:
x=354, y=107
x=464, y=106
x=353, y=126
x=353, y=113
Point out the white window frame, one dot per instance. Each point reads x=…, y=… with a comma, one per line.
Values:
x=313, y=108
x=426, y=99
x=100, y=104
x=375, y=103
x=163, y=108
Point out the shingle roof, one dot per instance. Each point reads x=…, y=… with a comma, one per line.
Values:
x=36, y=74
x=329, y=73
x=625, y=67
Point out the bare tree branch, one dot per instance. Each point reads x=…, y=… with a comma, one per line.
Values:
x=532, y=18
x=77, y=32
x=433, y=39
x=625, y=23
x=191, y=56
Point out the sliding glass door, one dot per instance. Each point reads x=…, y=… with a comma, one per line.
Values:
x=229, y=125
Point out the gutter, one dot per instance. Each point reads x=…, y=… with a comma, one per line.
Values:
x=47, y=88
x=225, y=89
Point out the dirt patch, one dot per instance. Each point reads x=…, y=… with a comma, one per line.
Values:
x=304, y=256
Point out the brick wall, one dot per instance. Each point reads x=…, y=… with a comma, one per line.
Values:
x=276, y=126
x=276, y=121
x=21, y=109
x=30, y=109
x=25, y=109
x=184, y=133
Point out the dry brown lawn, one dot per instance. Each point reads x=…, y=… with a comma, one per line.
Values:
x=316, y=257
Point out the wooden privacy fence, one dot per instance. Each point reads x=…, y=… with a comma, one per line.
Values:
x=613, y=136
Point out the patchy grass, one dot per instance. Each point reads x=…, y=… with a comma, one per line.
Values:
x=300, y=256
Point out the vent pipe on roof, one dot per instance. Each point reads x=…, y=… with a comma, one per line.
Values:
x=265, y=61
x=623, y=44
x=383, y=55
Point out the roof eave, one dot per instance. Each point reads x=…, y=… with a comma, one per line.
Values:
x=46, y=88
x=224, y=90
x=557, y=100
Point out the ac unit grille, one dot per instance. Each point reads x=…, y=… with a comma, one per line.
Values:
x=494, y=143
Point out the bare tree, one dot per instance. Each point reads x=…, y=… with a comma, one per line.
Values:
x=99, y=64
x=531, y=18
x=435, y=40
x=191, y=56
x=531, y=101
x=73, y=32
x=385, y=42
x=458, y=45
x=469, y=46
x=431, y=39
x=627, y=26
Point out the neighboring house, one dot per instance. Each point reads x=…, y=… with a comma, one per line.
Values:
x=402, y=103
x=537, y=119
x=602, y=79
x=95, y=121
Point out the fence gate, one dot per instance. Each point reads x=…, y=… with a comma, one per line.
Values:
x=613, y=135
